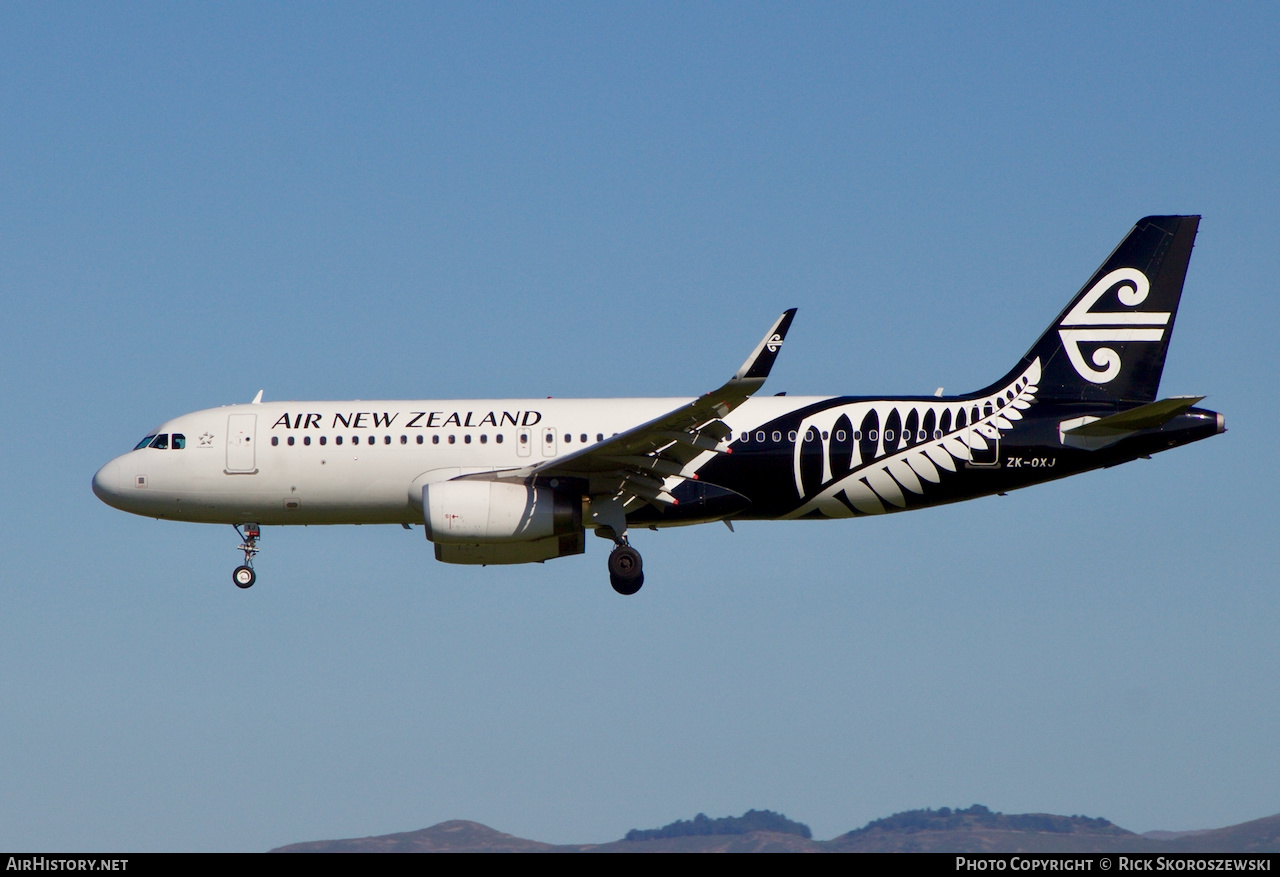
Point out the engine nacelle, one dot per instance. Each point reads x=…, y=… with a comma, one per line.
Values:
x=487, y=553
x=478, y=512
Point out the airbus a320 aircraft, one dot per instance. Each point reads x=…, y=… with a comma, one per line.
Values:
x=521, y=480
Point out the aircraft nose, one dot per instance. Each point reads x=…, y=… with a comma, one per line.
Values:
x=106, y=483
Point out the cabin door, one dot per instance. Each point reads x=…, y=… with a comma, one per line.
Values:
x=240, y=442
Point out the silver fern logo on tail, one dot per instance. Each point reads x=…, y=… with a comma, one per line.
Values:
x=1110, y=326
x=903, y=462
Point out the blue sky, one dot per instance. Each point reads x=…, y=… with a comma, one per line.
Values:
x=390, y=201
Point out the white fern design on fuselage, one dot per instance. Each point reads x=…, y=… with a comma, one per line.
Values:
x=905, y=464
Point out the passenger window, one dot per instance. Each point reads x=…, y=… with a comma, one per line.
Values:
x=419, y=438
x=372, y=439
x=306, y=440
x=452, y=439
x=777, y=436
x=498, y=438
x=760, y=436
x=484, y=438
x=568, y=437
x=337, y=439
x=161, y=443
x=179, y=441
x=323, y=439
x=275, y=440
x=386, y=439
x=791, y=436
x=146, y=441
x=599, y=436
x=435, y=439
x=467, y=438
x=290, y=440
x=404, y=439
x=583, y=438
x=839, y=435
x=524, y=438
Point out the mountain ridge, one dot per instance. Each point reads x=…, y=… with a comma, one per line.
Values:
x=975, y=829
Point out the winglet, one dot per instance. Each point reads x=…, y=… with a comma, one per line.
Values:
x=761, y=359
x=257, y=400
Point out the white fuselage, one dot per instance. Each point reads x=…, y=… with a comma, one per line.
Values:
x=362, y=462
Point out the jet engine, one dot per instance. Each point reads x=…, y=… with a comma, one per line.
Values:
x=494, y=522
x=496, y=511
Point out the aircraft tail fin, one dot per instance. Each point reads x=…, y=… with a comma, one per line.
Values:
x=1109, y=344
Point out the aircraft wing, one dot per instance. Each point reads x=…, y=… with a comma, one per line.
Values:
x=633, y=465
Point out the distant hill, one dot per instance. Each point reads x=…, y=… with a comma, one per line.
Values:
x=756, y=831
x=977, y=829
x=974, y=829
x=703, y=826
x=456, y=836
x=1258, y=836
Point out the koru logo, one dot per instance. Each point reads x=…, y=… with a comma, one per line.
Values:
x=774, y=343
x=1114, y=326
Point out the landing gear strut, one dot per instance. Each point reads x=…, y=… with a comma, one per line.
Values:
x=626, y=571
x=244, y=576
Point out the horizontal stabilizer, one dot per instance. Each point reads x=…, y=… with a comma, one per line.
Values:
x=1091, y=433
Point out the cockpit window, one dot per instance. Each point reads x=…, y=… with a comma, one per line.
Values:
x=142, y=444
x=161, y=442
x=179, y=441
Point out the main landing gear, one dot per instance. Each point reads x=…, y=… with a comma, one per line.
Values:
x=244, y=576
x=626, y=571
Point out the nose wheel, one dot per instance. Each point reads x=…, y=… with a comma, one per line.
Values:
x=244, y=576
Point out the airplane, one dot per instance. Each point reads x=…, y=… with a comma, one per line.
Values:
x=505, y=481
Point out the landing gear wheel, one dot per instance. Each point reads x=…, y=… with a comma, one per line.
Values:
x=244, y=577
x=626, y=572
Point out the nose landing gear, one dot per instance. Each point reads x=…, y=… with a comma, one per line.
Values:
x=244, y=576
